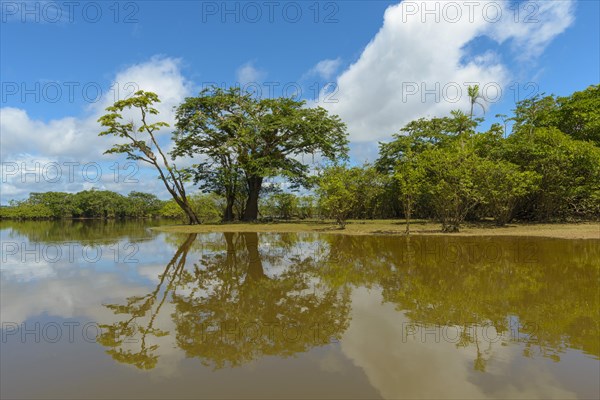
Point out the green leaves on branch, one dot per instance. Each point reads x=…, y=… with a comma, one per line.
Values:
x=142, y=144
x=345, y=192
x=248, y=139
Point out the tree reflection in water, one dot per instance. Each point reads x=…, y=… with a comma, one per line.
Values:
x=228, y=310
x=241, y=301
x=541, y=293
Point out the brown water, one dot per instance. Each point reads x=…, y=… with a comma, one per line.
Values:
x=97, y=310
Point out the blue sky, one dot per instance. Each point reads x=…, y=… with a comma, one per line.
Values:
x=383, y=63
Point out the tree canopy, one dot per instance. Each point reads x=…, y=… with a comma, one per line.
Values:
x=247, y=140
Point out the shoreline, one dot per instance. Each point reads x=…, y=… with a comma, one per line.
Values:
x=583, y=230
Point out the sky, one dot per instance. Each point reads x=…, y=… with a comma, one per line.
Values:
x=376, y=64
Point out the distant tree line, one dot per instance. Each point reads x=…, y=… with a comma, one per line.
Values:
x=105, y=204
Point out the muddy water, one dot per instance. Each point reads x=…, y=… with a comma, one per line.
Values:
x=97, y=310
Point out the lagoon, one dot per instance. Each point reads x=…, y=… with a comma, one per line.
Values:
x=93, y=309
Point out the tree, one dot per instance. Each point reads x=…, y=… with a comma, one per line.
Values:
x=337, y=190
x=409, y=174
x=370, y=186
x=306, y=206
x=282, y=205
x=89, y=204
x=451, y=182
x=576, y=115
x=425, y=134
x=102, y=204
x=210, y=125
x=569, y=169
x=502, y=184
x=142, y=205
x=535, y=112
x=139, y=148
x=474, y=98
x=62, y=205
x=208, y=208
x=259, y=138
x=26, y=210
x=579, y=114
x=434, y=158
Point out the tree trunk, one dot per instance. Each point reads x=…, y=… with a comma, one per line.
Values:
x=255, y=267
x=192, y=217
x=408, y=213
x=254, y=186
x=228, y=216
x=187, y=209
x=231, y=253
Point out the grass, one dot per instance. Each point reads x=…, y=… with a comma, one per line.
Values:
x=584, y=230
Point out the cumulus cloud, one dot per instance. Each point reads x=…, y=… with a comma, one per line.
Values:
x=248, y=73
x=326, y=68
x=533, y=25
x=32, y=144
x=66, y=136
x=405, y=362
x=78, y=137
x=77, y=288
x=420, y=63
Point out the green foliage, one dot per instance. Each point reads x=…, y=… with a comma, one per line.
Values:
x=141, y=143
x=142, y=204
x=579, y=115
x=307, y=207
x=475, y=98
x=281, y=205
x=451, y=182
x=547, y=168
x=253, y=139
x=96, y=204
x=369, y=194
x=337, y=190
x=61, y=205
x=569, y=170
x=171, y=209
x=409, y=175
x=501, y=185
x=26, y=210
x=100, y=204
x=424, y=134
x=208, y=208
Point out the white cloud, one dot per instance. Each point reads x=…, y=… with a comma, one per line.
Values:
x=161, y=75
x=534, y=26
x=248, y=73
x=326, y=68
x=28, y=140
x=78, y=137
x=416, y=67
x=66, y=136
x=403, y=360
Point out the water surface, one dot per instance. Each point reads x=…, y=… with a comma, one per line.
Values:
x=115, y=310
